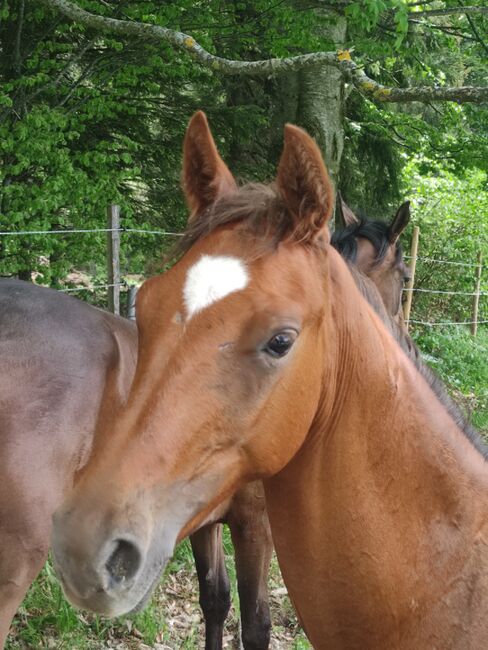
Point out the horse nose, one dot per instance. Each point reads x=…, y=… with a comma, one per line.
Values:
x=123, y=564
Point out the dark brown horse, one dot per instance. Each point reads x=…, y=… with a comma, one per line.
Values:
x=373, y=247
x=65, y=366
x=259, y=358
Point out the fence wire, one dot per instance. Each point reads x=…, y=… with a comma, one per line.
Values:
x=436, y=261
x=449, y=293
x=454, y=322
x=165, y=233
x=93, y=287
x=77, y=231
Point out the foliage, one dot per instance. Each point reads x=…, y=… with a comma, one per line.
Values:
x=87, y=119
x=399, y=49
x=460, y=360
x=452, y=213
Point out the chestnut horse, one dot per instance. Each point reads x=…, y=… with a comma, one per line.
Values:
x=44, y=347
x=373, y=250
x=39, y=313
x=260, y=359
x=65, y=366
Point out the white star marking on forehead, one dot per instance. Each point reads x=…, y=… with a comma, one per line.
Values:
x=211, y=279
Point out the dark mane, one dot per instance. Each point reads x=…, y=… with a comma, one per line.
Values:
x=345, y=241
x=376, y=232
x=436, y=384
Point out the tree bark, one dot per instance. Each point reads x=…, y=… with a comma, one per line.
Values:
x=320, y=112
x=320, y=106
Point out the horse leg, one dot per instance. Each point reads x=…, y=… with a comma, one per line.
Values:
x=251, y=536
x=21, y=559
x=213, y=581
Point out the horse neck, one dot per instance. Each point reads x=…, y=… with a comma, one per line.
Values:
x=384, y=474
x=121, y=357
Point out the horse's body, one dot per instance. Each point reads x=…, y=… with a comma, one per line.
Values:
x=259, y=358
x=63, y=366
x=390, y=505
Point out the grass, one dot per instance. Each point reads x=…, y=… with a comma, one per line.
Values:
x=461, y=360
x=173, y=620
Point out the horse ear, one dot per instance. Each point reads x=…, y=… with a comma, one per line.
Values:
x=344, y=215
x=399, y=223
x=304, y=184
x=205, y=177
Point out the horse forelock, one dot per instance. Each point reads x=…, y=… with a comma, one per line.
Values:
x=257, y=208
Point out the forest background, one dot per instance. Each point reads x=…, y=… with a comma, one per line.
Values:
x=91, y=116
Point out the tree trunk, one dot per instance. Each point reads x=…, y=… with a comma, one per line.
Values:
x=320, y=112
x=314, y=99
x=321, y=103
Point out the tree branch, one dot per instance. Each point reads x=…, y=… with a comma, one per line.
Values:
x=446, y=30
x=476, y=33
x=351, y=71
x=450, y=10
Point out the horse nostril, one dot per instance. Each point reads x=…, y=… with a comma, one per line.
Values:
x=124, y=562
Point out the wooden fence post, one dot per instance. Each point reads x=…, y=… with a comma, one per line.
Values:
x=113, y=258
x=476, y=297
x=413, y=264
x=131, y=302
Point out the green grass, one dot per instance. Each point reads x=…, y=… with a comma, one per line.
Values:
x=461, y=360
x=172, y=618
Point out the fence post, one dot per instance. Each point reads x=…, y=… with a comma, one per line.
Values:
x=413, y=264
x=131, y=302
x=476, y=297
x=113, y=258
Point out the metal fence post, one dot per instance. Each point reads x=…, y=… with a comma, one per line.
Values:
x=113, y=258
x=476, y=297
x=413, y=263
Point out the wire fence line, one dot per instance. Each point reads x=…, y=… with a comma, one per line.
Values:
x=437, y=261
x=448, y=293
x=454, y=322
x=77, y=231
x=121, y=230
x=93, y=287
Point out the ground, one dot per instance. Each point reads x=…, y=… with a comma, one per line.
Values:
x=172, y=621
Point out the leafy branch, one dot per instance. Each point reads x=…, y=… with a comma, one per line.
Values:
x=350, y=70
x=451, y=10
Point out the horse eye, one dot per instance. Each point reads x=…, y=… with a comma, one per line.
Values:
x=280, y=344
